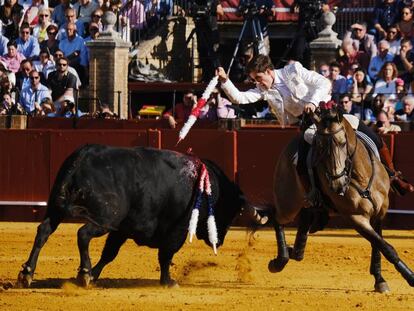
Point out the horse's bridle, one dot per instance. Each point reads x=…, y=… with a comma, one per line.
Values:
x=349, y=162
x=364, y=193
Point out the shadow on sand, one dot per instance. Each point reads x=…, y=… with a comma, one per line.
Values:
x=101, y=283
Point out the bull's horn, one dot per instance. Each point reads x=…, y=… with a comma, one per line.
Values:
x=215, y=249
x=252, y=213
x=191, y=237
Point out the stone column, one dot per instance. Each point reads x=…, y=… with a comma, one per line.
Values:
x=324, y=48
x=108, y=69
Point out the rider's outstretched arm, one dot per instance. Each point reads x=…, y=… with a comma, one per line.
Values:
x=236, y=96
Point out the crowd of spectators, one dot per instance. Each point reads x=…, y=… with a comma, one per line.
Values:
x=373, y=75
x=44, y=58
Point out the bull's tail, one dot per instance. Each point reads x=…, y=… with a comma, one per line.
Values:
x=64, y=192
x=80, y=212
x=60, y=212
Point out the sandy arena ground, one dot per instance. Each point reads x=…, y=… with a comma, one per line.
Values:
x=333, y=276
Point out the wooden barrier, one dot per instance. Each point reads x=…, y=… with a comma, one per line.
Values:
x=91, y=123
x=404, y=161
x=64, y=143
x=215, y=145
x=30, y=159
x=257, y=152
x=24, y=165
x=49, y=123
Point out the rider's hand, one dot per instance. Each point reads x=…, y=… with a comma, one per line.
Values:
x=309, y=107
x=194, y=101
x=172, y=122
x=222, y=75
x=381, y=130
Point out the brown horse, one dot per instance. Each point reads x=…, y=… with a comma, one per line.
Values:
x=352, y=182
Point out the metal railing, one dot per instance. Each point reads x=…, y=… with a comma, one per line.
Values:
x=348, y=12
x=137, y=20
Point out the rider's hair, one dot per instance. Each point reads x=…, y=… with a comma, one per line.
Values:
x=260, y=63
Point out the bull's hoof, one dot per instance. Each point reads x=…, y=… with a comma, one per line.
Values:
x=170, y=284
x=277, y=265
x=84, y=278
x=411, y=281
x=295, y=255
x=382, y=287
x=24, y=280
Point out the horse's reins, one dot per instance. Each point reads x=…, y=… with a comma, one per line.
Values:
x=364, y=193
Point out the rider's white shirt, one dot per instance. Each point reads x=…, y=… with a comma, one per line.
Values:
x=293, y=87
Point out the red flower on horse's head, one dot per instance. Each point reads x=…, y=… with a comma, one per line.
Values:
x=327, y=105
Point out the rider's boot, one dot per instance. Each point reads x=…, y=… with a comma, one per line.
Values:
x=398, y=183
x=310, y=193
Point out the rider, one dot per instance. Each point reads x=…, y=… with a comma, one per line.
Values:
x=292, y=91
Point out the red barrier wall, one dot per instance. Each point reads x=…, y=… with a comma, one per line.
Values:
x=24, y=165
x=91, y=123
x=49, y=123
x=404, y=161
x=258, y=151
x=30, y=159
x=64, y=143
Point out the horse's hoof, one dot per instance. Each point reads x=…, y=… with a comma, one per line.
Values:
x=94, y=279
x=84, y=278
x=277, y=265
x=382, y=288
x=7, y=285
x=24, y=280
x=95, y=275
x=293, y=255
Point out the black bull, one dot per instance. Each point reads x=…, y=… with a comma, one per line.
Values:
x=138, y=193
